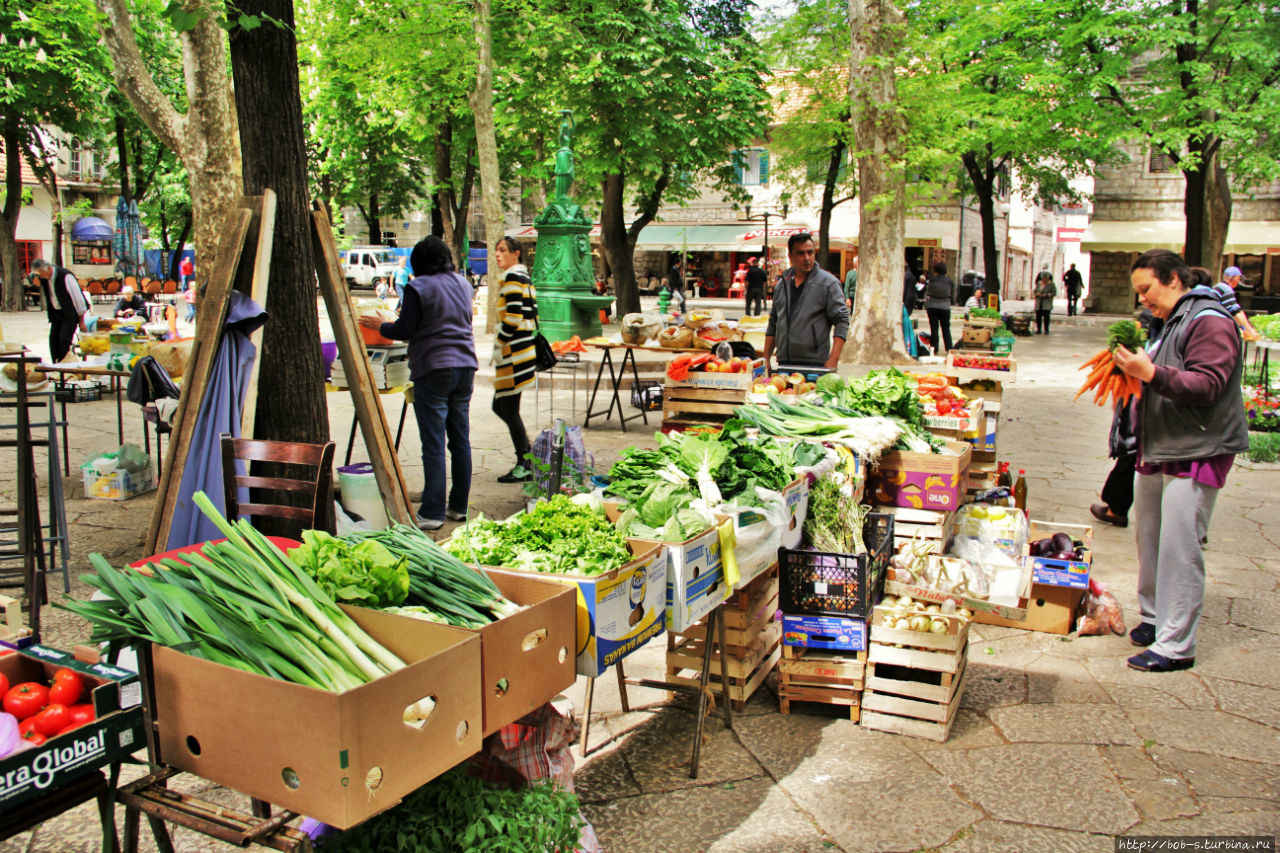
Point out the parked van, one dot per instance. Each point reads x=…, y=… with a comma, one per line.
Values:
x=369, y=266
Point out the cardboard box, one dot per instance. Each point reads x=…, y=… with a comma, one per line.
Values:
x=1003, y=369
x=836, y=633
x=1066, y=573
x=695, y=572
x=618, y=611
x=922, y=480
x=695, y=578
x=956, y=426
x=119, y=485
x=893, y=586
x=116, y=732
x=1051, y=609
x=970, y=334
x=722, y=381
x=337, y=757
x=527, y=658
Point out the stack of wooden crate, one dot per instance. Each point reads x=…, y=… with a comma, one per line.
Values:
x=915, y=679
x=752, y=637
x=826, y=677
x=706, y=398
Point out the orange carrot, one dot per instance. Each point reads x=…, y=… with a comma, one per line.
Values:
x=1101, y=370
x=1097, y=358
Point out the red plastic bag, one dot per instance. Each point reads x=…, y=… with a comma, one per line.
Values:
x=1101, y=612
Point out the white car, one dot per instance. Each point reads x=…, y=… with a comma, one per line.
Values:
x=369, y=266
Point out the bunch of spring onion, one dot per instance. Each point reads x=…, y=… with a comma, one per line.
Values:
x=867, y=436
x=240, y=603
x=441, y=587
x=835, y=518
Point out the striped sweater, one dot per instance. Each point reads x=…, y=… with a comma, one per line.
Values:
x=517, y=306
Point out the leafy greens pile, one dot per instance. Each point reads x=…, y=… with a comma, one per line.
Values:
x=557, y=536
x=671, y=492
x=364, y=572
x=886, y=393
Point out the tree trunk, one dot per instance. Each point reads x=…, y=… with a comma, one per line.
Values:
x=9, y=267
x=828, y=203
x=122, y=155
x=983, y=175
x=205, y=137
x=443, y=224
x=619, y=250
x=291, y=406
x=879, y=130
x=59, y=227
x=374, y=220
x=481, y=98
x=1207, y=205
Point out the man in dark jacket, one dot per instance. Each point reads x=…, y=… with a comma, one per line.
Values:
x=756, y=279
x=1072, y=283
x=65, y=304
x=808, y=307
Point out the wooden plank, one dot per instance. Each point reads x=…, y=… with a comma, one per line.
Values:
x=672, y=409
x=359, y=372
x=957, y=635
x=739, y=691
x=738, y=637
x=827, y=696
x=917, y=659
x=820, y=669
x=942, y=692
x=688, y=655
x=258, y=293
x=195, y=377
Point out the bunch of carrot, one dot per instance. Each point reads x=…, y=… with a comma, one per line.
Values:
x=1108, y=382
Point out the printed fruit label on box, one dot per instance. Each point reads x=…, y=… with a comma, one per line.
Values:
x=620, y=611
x=824, y=632
x=1068, y=573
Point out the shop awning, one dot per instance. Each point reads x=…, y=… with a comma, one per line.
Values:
x=91, y=228
x=735, y=237
x=1247, y=237
x=934, y=233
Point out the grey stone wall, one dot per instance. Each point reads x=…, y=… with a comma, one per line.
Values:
x=1108, y=285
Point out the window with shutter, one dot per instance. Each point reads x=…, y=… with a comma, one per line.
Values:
x=764, y=167
x=739, y=158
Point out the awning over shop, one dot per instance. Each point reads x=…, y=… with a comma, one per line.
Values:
x=91, y=228
x=735, y=237
x=933, y=233
x=1243, y=238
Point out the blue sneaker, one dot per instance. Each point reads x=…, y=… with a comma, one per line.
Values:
x=1149, y=661
x=1143, y=635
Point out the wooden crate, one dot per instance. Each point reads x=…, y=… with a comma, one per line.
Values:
x=821, y=677
x=699, y=405
x=915, y=525
x=743, y=606
x=915, y=708
x=746, y=673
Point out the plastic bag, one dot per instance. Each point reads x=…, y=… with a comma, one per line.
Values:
x=1002, y=527
x=758, y=532
x=639, y=328
x=1102, y=613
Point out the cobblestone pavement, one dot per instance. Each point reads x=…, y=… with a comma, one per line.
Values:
x=1058, y=746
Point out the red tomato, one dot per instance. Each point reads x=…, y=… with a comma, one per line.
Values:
x=67, y=687
x=26, y=699
x=53, y=719
x=27, y=730
x=944, y=407
x=4, y=684
x=81, y=714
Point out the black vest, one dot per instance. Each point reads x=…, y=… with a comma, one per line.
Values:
x=58, y=283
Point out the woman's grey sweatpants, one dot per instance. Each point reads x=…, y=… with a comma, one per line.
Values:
x=1172, y=517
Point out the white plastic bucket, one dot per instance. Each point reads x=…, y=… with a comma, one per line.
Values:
x=360, y=494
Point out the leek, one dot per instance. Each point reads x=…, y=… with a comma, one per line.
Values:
x=240, y=603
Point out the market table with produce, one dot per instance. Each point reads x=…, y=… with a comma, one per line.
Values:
x=835, y=534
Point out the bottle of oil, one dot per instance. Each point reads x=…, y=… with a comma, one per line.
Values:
x=1020, y=490
x=1004, y=479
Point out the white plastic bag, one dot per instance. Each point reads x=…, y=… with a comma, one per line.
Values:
x=758, y=531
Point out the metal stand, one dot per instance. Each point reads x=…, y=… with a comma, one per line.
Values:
x=52, y=535
x=150, y=795
x=715, y=628
x=615, y=379
x=565, y=366
x=95, y=785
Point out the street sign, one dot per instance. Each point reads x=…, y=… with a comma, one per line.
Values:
x=1070, y=235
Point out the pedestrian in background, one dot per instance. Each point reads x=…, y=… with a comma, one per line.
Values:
x=435, y=318
x=851, y=283
x=187, y=270
x=1044, y=292
x=937, y=305
x=1073, y=284
x=756, y=279
x=65, y=305
x=513, y=349
x=1190, y=424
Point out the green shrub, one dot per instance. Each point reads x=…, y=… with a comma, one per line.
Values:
x=1264, y=447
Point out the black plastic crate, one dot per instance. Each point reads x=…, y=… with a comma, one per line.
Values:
x=77, y=393
x=823, y=583
x=647, y=396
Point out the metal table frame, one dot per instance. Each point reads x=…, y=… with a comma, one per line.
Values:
x=615, y=379
x=116, y=385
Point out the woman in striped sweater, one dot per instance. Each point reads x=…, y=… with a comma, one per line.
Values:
x=514, y=349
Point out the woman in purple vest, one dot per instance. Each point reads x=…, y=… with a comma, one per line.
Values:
x=435, y=318
x=1189, y=423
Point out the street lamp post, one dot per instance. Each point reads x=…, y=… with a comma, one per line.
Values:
x=764, y=217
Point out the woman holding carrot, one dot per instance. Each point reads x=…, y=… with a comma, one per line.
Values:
x=1190, y=423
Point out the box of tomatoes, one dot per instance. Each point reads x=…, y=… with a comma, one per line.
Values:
x=65, y=717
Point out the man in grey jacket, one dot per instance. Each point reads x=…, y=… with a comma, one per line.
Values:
x=808, y=306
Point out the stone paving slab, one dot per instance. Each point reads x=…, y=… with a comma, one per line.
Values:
x=1210, y=732
x=998, y=836
x=1062, y=786
x=1065, y=723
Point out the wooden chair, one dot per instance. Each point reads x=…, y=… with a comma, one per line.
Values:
x=152, y=287
x=316, y=493
x=113, y=286
x=96, y=290
x=170, y=287
x=131, y=281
